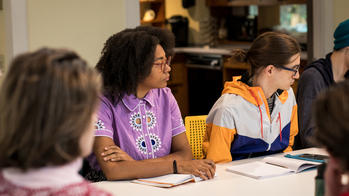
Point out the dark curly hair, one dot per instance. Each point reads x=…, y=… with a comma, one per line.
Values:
x=166, y=37
x=127, y=59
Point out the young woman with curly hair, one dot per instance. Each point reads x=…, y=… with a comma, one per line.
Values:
x=140, y=132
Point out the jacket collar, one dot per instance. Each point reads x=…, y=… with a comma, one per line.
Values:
x=254, y=95
x=324, y=66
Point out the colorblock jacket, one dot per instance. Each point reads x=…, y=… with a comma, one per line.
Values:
x=240, y=125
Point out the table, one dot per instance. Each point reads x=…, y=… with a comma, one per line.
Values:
x=227, y=183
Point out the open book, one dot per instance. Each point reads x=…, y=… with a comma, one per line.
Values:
x=272, y=166
x=169, y=180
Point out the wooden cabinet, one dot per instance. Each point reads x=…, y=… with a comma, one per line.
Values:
x=226, y=3
x=233, y=68
x=188, y=83
x=292, y=2
x=158, y=6
x=239, y=2
x=178, y=83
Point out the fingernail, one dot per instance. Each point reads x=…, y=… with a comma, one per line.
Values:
x=102, y=153
x=105, y=159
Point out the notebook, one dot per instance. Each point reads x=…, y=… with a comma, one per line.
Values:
x=169, y=180
x=271, y=167
x=309, y=157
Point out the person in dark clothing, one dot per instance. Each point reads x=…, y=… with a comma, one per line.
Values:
x=331, y=132
x=319, y=76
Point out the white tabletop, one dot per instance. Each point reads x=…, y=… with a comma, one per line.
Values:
x=227, y=183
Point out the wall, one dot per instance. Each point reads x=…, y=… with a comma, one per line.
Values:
x=270, y=15
x=2, y=42
x=197, y=16
x=81, y=25
x=340, y=12
x=2, y=32
x=326, y=16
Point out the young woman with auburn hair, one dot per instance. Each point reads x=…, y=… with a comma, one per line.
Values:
x=257, y=112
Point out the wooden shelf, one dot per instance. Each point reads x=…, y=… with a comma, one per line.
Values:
x=292, y=1
x=236, y=66
x=158, y=6
x=227, y=3
x=151, y=1
x=240, y=2
x=153, y=21
x=178, y=83
x=233, y=68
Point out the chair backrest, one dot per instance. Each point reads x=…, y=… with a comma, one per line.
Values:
x=195, y=129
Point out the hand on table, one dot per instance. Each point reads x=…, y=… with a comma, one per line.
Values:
x=205, y=168
x=114, y=153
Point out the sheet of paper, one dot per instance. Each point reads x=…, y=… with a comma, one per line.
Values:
x=259, y=170
x=295, y=165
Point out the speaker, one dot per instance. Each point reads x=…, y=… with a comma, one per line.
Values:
x=188, y=3
x=179, y=27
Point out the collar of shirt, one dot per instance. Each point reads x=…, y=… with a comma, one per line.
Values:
x=131, y=101
x=52, y=176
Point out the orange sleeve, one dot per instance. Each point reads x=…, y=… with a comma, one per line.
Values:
x=217, y=143
x=293, y=128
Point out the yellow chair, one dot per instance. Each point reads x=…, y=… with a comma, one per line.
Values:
x=195, y=129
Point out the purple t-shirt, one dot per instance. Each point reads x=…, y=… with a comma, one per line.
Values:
x=143, y=128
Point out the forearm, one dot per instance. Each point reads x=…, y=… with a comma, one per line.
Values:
x=142, y=169
x=136, y=169
x=179, y=155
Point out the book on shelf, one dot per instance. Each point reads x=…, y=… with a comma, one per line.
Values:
x=169, y=180
x=271, y=167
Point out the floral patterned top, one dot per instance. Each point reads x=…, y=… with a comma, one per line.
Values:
x=143, y=128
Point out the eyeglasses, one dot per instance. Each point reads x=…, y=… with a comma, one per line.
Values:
x=294, y=70
x=163, y=64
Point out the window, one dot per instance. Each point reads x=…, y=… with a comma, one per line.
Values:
x=294, y=18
